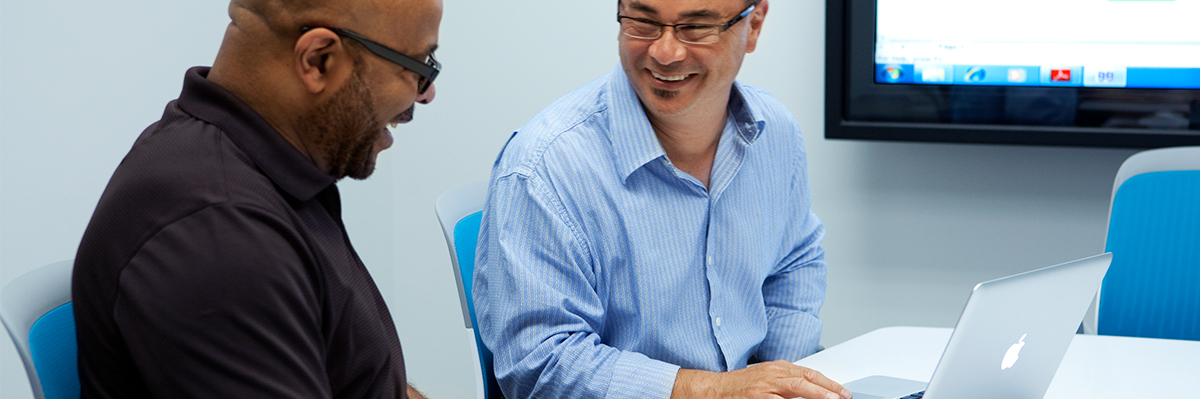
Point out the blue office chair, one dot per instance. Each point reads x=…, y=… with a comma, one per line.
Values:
x=460, y=212
x=1153, y=286
x=36, y=310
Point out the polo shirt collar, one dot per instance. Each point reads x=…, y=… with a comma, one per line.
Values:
x=279, y=160
x=633, y=140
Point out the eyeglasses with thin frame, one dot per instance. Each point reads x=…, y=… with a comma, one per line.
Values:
x=427, y=70
x=641, y=28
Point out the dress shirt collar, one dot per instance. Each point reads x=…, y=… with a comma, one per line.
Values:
x=279, y=160
x=748, y=119
x=633, y=138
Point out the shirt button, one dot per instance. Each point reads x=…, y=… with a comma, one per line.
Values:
x=717, y=321
x=710, y=260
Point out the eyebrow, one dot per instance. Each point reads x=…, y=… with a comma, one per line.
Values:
x=694, y=14
x=431, y=49
x=639, y=6
x=701, y=14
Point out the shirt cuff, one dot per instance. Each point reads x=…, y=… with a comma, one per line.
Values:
x=638, y=376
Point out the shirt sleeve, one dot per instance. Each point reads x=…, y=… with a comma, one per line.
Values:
x=794, y=293
x=224, y=304
x=538, y=308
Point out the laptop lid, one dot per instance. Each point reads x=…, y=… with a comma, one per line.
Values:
x=1012, y=334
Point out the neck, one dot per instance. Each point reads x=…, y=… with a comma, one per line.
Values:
x=690, y=141
x=255, y=63
x=264, y=94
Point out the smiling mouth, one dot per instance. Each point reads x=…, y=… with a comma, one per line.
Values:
x=669, y=78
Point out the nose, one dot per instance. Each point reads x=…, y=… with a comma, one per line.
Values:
x=666, y=49
x=427, y=97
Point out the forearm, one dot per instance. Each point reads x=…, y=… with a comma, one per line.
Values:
x=691, y=384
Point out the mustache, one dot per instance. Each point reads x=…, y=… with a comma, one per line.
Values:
x=673, y=68
x=404, y=117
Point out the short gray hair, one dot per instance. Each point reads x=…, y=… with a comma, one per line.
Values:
x=748, y=3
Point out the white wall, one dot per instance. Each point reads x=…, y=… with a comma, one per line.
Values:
x=911, y=227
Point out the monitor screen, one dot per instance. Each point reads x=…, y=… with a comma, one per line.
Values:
x=1046, y=43
x=1113, y=73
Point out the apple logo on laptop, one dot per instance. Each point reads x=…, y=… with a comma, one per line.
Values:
x=1013, y=353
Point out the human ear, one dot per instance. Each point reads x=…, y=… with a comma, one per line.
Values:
x=320, y=59
x=756, y=23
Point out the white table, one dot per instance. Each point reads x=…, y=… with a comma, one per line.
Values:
x=1095, y=366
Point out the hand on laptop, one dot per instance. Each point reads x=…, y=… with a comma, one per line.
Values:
x=777, y=379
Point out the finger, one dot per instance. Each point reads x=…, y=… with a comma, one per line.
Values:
x=816, y=379
x=825, y=382
x=801, y=388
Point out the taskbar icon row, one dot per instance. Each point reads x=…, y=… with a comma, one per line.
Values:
x=1002, y=75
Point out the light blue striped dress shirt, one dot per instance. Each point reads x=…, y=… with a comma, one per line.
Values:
x=602, y=268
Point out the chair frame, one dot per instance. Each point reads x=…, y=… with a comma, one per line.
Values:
x=25, y=300
x=451, y=207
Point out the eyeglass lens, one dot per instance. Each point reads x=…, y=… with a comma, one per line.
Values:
x=701, y=34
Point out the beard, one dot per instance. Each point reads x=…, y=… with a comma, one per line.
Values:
x=667, y=94
x=344, y=128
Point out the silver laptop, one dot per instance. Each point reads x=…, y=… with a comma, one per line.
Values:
x=1010, y=339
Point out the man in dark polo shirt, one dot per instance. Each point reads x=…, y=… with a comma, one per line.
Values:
x=216, y=263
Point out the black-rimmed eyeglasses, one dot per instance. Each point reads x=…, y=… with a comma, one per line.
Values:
x=640, y=28
x=427, y=70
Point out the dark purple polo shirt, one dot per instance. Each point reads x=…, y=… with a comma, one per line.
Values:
x=216, y=265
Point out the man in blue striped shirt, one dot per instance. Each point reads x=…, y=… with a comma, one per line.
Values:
x=650, y=233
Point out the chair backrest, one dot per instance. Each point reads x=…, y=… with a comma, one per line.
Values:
x=460, y=211
x=1153, y=286
x=36, y=310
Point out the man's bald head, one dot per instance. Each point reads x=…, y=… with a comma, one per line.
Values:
x=266, y=19
x=287, y=61
x=266, y=29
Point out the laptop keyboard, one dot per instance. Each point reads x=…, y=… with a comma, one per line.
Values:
x=917, y=395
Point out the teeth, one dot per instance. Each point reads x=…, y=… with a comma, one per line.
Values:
x=669, y=78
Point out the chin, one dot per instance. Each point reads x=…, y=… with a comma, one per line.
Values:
x=670, y=105
x=363, y=172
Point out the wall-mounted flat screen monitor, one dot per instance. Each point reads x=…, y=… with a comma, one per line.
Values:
x=1113, y=73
